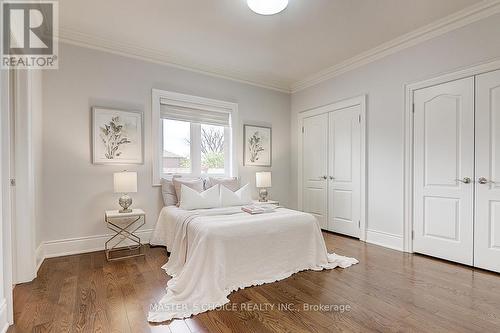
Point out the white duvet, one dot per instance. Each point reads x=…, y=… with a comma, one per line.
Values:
x=217, y=251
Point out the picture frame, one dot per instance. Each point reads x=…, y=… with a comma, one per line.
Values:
x=117, y=136
x=257, y=146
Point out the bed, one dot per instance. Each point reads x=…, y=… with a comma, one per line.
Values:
x=217, y=251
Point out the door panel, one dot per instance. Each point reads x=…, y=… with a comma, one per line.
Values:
x=444, y=155
x=344, y=194
x=441, y=218
x=487, y=223
x=314, y=166
x=441, y=115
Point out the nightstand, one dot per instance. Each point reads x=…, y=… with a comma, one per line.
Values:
x=268, y=202
x=124, y=225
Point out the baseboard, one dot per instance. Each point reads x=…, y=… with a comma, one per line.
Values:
x=385, y=239
x=4, y=324
x=65, y=247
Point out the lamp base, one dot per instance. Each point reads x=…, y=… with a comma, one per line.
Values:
x=125, y=202
x=263, y=195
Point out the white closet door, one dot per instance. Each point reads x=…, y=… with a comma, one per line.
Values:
x=344, y=197
x=314, y=167
x=443, y=162
x=487, y=231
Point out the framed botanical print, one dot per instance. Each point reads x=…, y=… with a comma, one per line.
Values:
x=117, y=136
x=257, y=146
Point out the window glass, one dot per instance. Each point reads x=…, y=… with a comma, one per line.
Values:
x=212, y=149
x=176, y=147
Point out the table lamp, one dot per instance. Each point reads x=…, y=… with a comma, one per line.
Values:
x=125, y=182
x=263, y=181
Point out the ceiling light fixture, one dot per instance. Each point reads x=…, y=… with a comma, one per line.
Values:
x=267, y=7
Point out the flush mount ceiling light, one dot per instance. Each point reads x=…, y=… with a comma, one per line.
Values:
x=267, y=7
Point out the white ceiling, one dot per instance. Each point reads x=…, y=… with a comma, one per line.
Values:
x=225, y=37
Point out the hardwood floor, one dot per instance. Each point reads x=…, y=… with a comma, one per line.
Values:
x=388, y=291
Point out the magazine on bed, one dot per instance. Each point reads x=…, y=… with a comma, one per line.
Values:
x=258, y=209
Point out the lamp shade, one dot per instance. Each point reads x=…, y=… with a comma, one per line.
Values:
x=125, y=182
x=263, y=179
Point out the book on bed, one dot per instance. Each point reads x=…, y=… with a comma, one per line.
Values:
x=258, y=209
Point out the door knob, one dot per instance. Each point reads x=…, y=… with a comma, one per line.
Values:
x=332, y=178
x=324, y=177
x=482, y=180
x=466, y=180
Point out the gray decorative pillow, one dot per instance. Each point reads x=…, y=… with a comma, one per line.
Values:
x=232, y=183
x=168, y=192
x=194, y=183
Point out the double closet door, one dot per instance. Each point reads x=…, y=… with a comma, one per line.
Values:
x=457, y=171
x=331, y=169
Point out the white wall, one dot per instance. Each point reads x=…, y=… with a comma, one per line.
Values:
x=75, y=192
x=383, y=81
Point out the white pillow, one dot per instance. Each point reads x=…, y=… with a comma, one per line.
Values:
x=192, y=199
x=238, y=198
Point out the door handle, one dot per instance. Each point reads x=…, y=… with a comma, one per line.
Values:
x=324, y=177
x=466, y=180
x=483, y=180
x=332, y=178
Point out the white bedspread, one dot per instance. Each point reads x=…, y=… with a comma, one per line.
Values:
x=217, y=251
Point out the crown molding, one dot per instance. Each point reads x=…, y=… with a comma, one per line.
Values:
x=457, y=20
x=77, y=38
x=452, y=22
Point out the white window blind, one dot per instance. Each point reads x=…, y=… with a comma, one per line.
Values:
x=195, y=115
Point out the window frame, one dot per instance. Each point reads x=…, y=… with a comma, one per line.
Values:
x=162, y=97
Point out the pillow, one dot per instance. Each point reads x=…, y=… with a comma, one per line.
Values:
x=239, y=198
x=194, y=183
x=168, y=192
x=192, y=199
x=232, y=183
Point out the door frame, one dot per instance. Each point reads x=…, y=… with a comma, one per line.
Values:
x=409, y=89
x=332, y=107
x=5, y=202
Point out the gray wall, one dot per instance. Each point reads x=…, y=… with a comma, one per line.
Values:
x=383, y=81
x=76, y=192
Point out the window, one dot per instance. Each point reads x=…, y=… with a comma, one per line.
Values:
x=194, y=136
x=206, y=143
